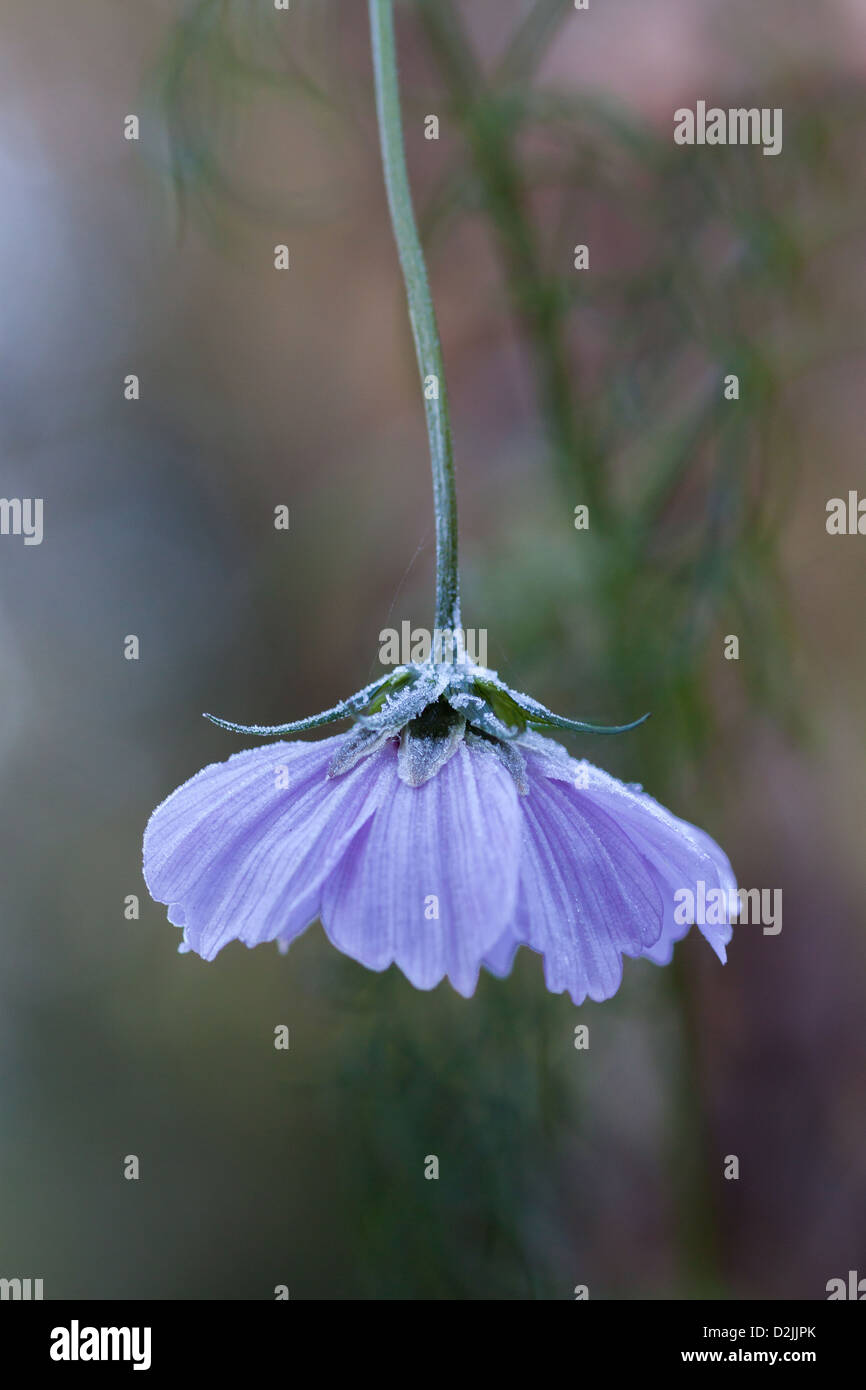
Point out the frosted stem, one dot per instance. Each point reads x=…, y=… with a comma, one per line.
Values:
x=421, y=313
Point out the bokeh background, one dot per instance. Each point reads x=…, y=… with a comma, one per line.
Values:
x=305, y=1167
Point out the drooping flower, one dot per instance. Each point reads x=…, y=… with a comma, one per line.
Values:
x=445, y=829
x=442, y=832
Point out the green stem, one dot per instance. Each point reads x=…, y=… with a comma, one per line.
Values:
x=421, y=313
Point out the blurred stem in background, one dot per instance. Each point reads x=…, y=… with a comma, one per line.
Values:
x=490, y=133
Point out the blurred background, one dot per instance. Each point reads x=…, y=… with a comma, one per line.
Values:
x=258, y=388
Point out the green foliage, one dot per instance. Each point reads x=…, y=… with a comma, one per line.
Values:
x=219, y=58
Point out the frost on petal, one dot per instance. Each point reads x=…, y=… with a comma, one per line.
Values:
x=359, y=743
x=508, y=754
x=240, y=852
x=428, y=742
x=430, y=882
x=586, y=896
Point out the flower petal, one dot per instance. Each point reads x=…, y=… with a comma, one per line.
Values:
x=187, y=832
x=586, y=896
x=431, y=882
x=241, y=851
x=500, y=957
x=679, y=854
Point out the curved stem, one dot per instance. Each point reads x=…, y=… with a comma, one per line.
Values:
x=421, y=313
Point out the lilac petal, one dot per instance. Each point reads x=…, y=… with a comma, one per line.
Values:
x=451, y=846
x=187, y=831
x=508, y=753
x=721, y=876
x=500, y=957
x=248, y=864
x=682, y=857
x=679, y=855
x=586, y=896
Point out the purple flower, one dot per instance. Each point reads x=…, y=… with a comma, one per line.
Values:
x=441, y=833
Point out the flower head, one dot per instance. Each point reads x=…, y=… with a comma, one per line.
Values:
x=442, y=832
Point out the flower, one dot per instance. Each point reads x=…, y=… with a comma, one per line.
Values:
x=441, y=833
x=444, y=830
